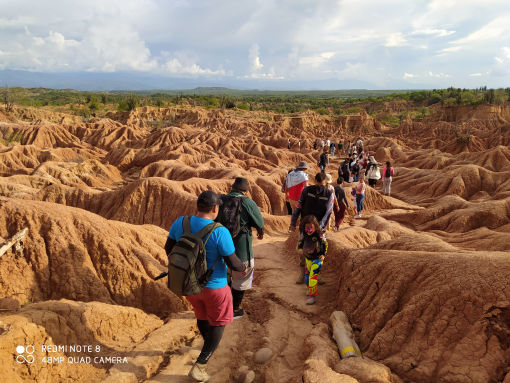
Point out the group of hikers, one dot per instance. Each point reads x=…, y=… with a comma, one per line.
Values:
x=329, y=146
x=201, y=247
x=316, y=204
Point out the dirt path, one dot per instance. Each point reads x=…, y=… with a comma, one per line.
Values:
x=277, y=317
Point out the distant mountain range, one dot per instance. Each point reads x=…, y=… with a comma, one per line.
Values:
x=143, y=81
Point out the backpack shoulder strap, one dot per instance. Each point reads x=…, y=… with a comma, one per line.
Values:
x=208, y=229
x=186, y=225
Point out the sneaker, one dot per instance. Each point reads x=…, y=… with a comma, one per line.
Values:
x=357, y=216
x=310, y=301
x=199, y=373
x=238, y=313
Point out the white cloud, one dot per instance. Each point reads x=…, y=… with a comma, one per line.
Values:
x=395, y=40
x=316, y=60
x=271, y=76
x=256, y=66
x=298, y=40
x=450, y=49
x=502, y=65
x=184, y=64
x=438, y=75
x=493, y=30
x=505, y=56
x=16, y=23
x=432, y=32
x=254, y=57
x=175, y=67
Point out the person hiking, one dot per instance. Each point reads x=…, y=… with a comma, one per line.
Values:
x=340, y=147
x=314, y=248
x=284, y=190
x=328, y=142
x=361, y=189
x=355, y=170
x=315, y=143
x=315, y=200
x=332, y=148
x=364, y=162
x=342, y=204
x=213, y=305
x=323, y=160
x=248, y=216
x=344, y=170
x=331, y=188
x=295, y=182
x=387, y=176
x=359, y=145
x=372, y=172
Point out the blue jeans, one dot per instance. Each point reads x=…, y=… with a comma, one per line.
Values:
x=322, y=167
x=359, y=202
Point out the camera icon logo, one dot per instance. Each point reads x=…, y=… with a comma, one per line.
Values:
x=28, y=358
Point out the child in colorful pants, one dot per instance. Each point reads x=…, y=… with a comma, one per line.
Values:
x=314, y=246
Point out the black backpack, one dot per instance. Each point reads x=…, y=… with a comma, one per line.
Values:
x=345, y=170
x=230, y=213
x=388, y=172
x=187, y=264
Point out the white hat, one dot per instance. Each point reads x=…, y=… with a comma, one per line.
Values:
x=329, y=179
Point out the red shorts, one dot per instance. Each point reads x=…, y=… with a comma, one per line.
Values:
x=213, y=305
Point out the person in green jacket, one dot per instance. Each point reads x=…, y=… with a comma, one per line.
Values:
x=250, y=217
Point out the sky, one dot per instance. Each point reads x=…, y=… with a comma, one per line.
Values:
x=265, y=44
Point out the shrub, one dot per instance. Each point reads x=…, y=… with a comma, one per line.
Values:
x=94, y=104
x=131, y=102
x=434, y=98
x=243, y=106
x=226, y=102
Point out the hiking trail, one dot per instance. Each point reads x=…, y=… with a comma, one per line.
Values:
x=276, y=316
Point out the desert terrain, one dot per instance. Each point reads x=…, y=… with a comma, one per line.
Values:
x=424, y=276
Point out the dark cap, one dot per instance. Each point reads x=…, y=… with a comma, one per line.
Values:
x=208, y=198
x=320, y=177
x=241, y=184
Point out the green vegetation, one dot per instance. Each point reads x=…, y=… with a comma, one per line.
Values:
x=457, y=96
x=389, y=119
x=8, y=99
x=334, y=103
x=15, y=137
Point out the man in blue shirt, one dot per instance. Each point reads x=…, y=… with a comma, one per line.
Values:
x=213, y=305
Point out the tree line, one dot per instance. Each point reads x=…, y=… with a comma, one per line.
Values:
x=333, y=103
